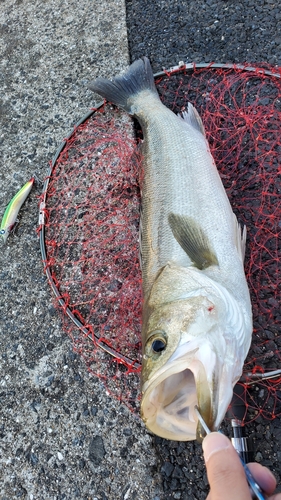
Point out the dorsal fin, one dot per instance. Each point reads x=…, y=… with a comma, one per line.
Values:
x=193, y=118
x=240, y=238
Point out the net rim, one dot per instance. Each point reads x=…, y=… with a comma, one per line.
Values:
x=181, y=67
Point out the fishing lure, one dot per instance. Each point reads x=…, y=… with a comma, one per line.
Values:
x=12, y=210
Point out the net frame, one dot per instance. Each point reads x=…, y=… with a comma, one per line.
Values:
x=248, y=377
x=41, y=230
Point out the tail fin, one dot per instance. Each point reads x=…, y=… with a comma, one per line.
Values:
x=138, y=77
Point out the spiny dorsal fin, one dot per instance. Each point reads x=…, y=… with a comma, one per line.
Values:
x=193, y=118
x=193, y=240
x=240, y=238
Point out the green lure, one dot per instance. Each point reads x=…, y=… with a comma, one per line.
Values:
x=12, y=210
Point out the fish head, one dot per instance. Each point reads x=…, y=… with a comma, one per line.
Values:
x=184, y=365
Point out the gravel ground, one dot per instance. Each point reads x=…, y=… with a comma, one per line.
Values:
x=61, y=436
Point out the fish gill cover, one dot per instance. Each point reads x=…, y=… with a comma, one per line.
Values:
x=91, y=206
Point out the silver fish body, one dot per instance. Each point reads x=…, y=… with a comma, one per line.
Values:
x=197, y=320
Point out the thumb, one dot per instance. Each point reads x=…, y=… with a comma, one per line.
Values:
x=224, y=470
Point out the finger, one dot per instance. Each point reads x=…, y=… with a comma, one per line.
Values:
x=264, y=477
x=277, y=496
x=224, y=469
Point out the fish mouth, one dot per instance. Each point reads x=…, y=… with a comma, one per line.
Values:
x=169, y=398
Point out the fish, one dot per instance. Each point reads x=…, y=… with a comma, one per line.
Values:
x=13, y=208
x=196, y=313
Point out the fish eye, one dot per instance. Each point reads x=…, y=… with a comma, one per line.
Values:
x=158, y=345
x=2, y=231
x=156, y=342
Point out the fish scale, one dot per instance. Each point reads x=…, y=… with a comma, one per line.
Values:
x=197, y=320
x=167, y=189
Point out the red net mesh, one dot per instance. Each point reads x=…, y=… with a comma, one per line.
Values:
x=92, y=203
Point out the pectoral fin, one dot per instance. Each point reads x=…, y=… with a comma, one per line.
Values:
x=193, y=241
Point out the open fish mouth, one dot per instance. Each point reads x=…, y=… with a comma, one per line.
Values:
x=170, y=397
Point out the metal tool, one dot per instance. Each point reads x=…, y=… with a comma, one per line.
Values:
x=243, y=444
x=254, y=487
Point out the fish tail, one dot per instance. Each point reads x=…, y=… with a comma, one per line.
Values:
x=122, y=90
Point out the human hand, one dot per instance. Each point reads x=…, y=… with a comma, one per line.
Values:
x=226, y=475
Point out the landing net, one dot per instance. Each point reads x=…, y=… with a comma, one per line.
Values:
x=89, y=220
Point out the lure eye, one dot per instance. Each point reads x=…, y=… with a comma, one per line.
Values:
x=158, y=345
x=2, y=231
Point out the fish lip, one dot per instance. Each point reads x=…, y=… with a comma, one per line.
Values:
x=172, y=424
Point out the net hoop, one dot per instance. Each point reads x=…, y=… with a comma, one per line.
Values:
x=41, y=231
x=180, y=68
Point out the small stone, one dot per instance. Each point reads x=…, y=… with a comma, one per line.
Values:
x=177, y=472
x=81, y=463
x=94, y=411
x=60, y=456
x=96, y=450
x=33, y=458
x=177, y=495
x=127, y=431
x=258, y=457
x=167, y=468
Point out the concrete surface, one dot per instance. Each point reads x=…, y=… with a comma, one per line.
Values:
x=61, y=437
